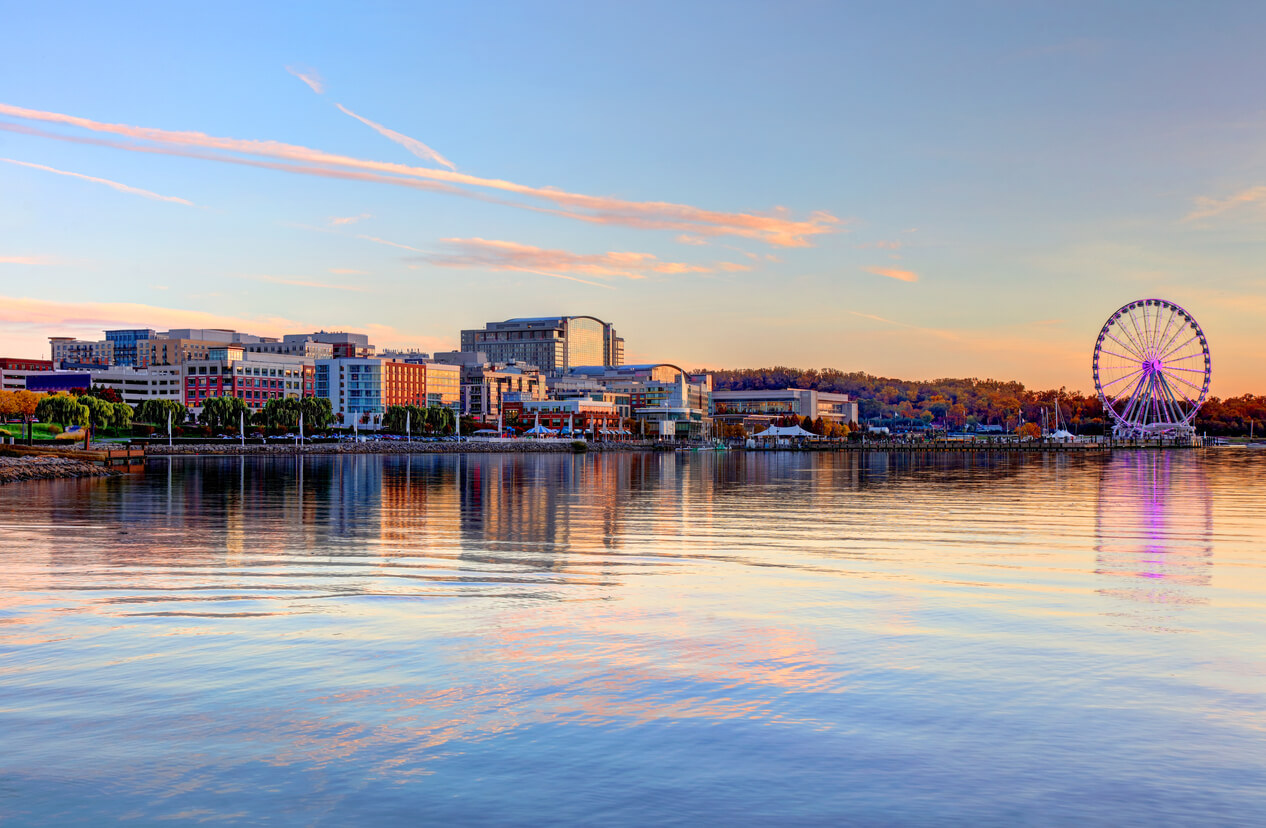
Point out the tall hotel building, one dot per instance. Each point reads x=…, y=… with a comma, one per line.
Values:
x=555, y=344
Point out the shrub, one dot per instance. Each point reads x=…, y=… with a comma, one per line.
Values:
x=579, y=446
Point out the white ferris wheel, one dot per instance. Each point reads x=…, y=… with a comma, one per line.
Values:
x=1152, y=369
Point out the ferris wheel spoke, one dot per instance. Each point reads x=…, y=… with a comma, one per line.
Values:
x=1142, y=340
x=1171, y=404
x=1189, y=385
x=1121, y=356
x=1181, y=412
x=1169, y=324
x=1138, y=356
x=1136, y=400
x=1192, y=339
x=1185, y=325
x=1188, y=370
x=1110, y=383
x=1188, y=356
x=1168, y=338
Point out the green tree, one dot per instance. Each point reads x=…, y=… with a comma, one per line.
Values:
x=155, y=412
x=121, y=416
x=62, y=409
x=401, y=418
x=100, y=412
x=218, y=412
x=318, y=413
x=282, y=413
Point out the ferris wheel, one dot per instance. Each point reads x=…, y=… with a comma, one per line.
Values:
x=1152, y=368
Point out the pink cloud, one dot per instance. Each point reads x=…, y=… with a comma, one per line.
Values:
x=1208, y=207
x=686, y=238
x=774, y=228
x=308, y=76
x=900, y=275
x=339, y=221
x=283, y=280
x=413, y=145
x=29, y=260
x=123, y=188
x=347, y=271
x=504, y=255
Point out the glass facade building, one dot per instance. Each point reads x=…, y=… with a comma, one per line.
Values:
x=555, y=344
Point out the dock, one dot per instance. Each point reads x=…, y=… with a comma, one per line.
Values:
x=100, y=457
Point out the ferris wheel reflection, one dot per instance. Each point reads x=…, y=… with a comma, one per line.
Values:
x=1154, y=534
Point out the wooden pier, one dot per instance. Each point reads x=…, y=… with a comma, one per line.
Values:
x=99, y=457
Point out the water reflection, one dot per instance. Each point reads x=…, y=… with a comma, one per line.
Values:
x=1154, y=534
x=532, y=638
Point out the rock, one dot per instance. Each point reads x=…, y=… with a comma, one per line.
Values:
x=13, y=469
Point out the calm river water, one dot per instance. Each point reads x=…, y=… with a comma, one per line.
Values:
x=630, y=639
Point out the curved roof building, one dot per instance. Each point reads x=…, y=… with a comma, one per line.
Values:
x=555, y=344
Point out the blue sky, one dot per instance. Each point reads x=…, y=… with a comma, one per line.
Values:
x=918, y=190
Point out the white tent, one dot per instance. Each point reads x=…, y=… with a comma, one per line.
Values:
x=784, y=431
x=1062, y=434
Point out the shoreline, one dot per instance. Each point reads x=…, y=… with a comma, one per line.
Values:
x=17, y=469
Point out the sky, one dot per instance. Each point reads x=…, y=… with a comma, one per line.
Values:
x=916, y=190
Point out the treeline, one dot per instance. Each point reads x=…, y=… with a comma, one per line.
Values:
x=961, y=402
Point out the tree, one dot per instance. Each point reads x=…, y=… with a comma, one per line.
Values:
x=100, y=412
x=399, y=419
x=1030, y=431
x=819, y=427
x=102, y=393
x=282, y=413
x=318, y=413
x=122, y=415
x=218, y=412
x=26, y=404
x=155, y=412
x=62, y=409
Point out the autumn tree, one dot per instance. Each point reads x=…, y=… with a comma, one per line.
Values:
x=1030, y=431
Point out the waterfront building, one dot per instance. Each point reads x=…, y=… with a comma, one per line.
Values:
x=15, y=370
x=131, y=346
x=407, y=355
x=345, y=345
x=555, y=344
x=758, y=409
x=421, y=383
x=232, y=371
x=583, y=414
x=58, y=382
x=301, y=345
x=669, y=402
x=136, y=385
x=67, y=350
x=487, y=385
x=354, y=387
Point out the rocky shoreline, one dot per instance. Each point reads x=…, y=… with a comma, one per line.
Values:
x=13, y=469
x=394, y=447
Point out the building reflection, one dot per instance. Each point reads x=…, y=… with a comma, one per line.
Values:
x=1154, y=533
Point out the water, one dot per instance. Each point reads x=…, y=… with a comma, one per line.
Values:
x=634, y=639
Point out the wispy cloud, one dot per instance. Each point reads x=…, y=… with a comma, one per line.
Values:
x=339, y=221
x=413, y=145
x=308, y=76
x=505, y=255
x=686, y=238
x=377, y=240
x=775, y=228
x=292, y=282
x=40, y=315
x=347, y=271
x=1208, y=207
x=875, y=318
x=123, y=188
x=891, y=273
x=42, y=261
